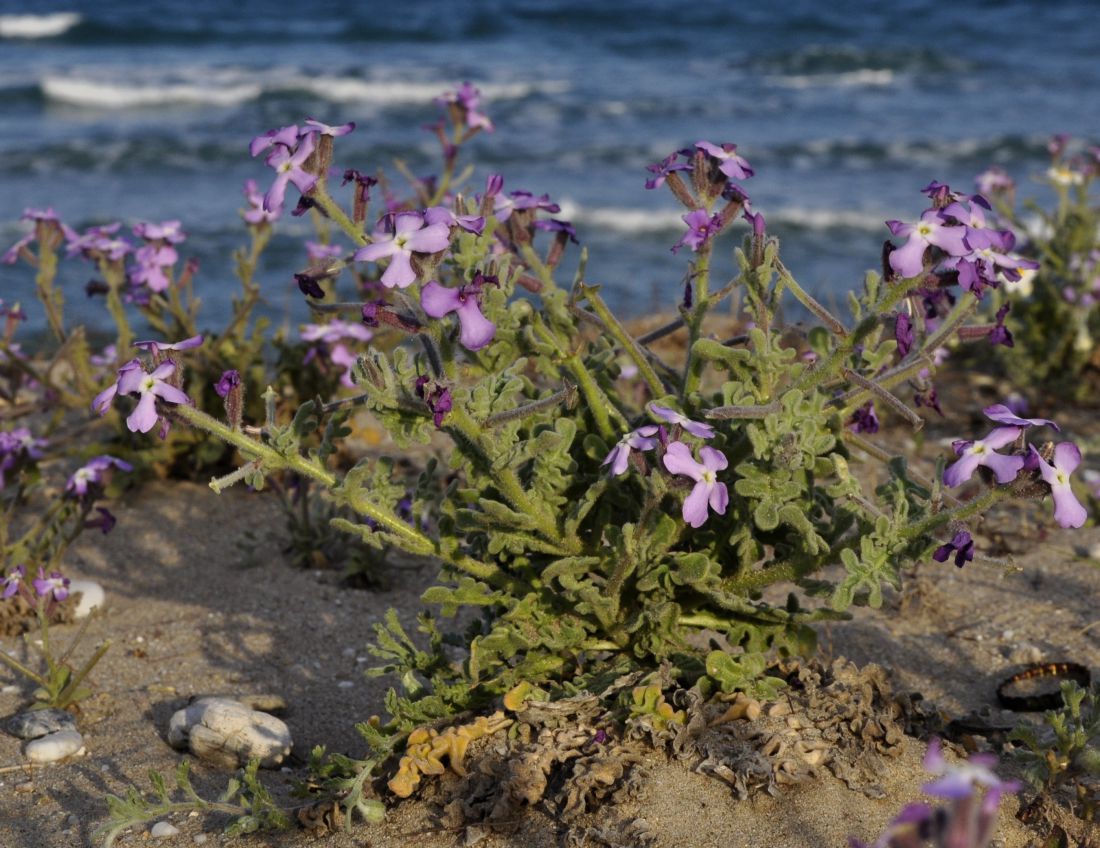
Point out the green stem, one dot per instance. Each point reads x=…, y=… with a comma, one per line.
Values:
x=115, y=281
x=22, y=669
x=51, y=298
x=626, y=342
x=700, y=283
x=959, y=514
x=543, y=273
x=331, y=208
x=61, y=700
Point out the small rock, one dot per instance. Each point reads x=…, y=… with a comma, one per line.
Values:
x=92, y=596
x=162, y=830
x=56, y=746
x=10, y=689
x=1026, y=654
x=199, y=838
x=228, y=733
x=346, y=684
x=1094, y=550
x=35, y=723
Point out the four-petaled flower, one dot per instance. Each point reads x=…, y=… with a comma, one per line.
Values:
x=475, y=330
x=1002, y=414
x=132, y=378
x=411, y=235
x=328, y=129
x=707, y=490
x=983, y=452
x=662, y=169
x=933, y=229
x=288, y=169
x=155, y=347
x=92, y=473
x=644, y=438
x=55, y=585
x=962, y=546
x=701, y=227
x=1068, y=511
x=959, y=781
x=696, y=428
x=468, y=99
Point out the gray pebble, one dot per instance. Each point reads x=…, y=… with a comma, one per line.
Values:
x=56, y=746
x=35, y=723
x=163, y=829
x=199, y=838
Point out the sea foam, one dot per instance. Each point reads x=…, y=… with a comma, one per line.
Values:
x=37, y=26
x=119, y=95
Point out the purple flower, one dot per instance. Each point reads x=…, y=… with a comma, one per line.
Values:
x=436, y=396
x=1002, y=414
x=228, y=381
x=707, y=490
x=411, y=235
x=903, y=332
x=1001, y=334
x=340, y=355
x=662, y=169
x=933, y=229
x=555, y=225
x=864, y=419
x=1068, y=511
x=700, y=228
x=288, y=169
x=153, y=263
x=257, y=214
x=696, y=428
x=55, y=585
x=959, y=781
x=993, y=180
x=519, y=201
x=327, y=129
x=442, y=215
x=757, y=222
x=13, y=581
x=286, y=137
x=92, y=474
x=729, y=162
x=105, y=522
x=334, y=331
x=169, y=231
x=468, y=100
x=132, y=378
x=982, y=452
x=155, y=347
x=962, y=546
x=644, y=438
x=475, y=330
x=318, y=252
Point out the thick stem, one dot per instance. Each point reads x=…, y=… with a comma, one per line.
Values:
x=626, y=342
x=700, y=282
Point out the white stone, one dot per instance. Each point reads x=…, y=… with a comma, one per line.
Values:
x=230, y=734
x=56, y=746
x=162, y=830
x=199, y=838
x=10, y=689
x=92, y=596
x=1094, y=550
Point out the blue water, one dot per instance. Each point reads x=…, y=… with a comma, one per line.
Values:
x=143, y=109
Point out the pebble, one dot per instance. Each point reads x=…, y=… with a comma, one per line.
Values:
x=10, y=689
x=163, y=829
x=92, y=596
x=200, y=838
x=35, y=723
x=1094, y=550
x=229, y=734
x=1026, y=654
x=54, y=747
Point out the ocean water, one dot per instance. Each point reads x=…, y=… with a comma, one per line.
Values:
x=143, y=109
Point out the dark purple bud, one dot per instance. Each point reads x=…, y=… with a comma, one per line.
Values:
x=1001, y=334
x=903, y=333
x=105, y=522
x=962, y=546
x=227, y=382
x=864, y=419
x=94, y=287
x=309, y=285
x=304, y=205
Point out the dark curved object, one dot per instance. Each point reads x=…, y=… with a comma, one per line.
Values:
x=1047, y=700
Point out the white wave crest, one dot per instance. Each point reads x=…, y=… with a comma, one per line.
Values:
x=862, y=78
x=395, y=92
x=633, y=220
x=120, y=95
x=37, y=26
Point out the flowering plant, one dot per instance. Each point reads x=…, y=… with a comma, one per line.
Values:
x=603, y=524
x=1055, y=299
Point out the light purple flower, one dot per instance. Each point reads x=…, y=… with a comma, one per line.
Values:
x=102, y=402
x=286, y=137
x=993, y=180
x=228, y=381
x=982, y=452
x=55, y=585
x=327, y=129
x=92, y=474
x=410, y=235
x=340, y=355
x=153, y=263
x=288, y=169
x=1003, y=415
x=475, y=330
x=1068, y=511
x=132, y=378
x=696, y=428
x=729, y=162
x=933, y=229
x=666, y=166
x=334, y=331
x=644, y=438
x=318, y=252
x=468, y=99
x=256, y=214
x=707, y=490
x=700, y=228
x=442, y=215
x=13, y=581
x=169, y=231
x=519, y=200
x=960, y=780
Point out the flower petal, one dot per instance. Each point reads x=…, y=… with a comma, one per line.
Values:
x=678, y=460
x=438, y=300
x=695, y=505
x=475, y=330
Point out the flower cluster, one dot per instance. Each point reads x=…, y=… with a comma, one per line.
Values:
x=328, y=340
x=291, y=156
x=18, y=447
x=959, y=238
x=1053, y=466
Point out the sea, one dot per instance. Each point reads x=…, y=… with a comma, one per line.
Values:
x=137, y=110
